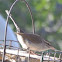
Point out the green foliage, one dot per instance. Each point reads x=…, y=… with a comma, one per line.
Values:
x=60, y=1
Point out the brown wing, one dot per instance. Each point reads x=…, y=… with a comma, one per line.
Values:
x=35, y=38
x=31, y=37
x=47, y=42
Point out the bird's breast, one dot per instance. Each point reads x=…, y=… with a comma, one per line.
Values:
x=21, y=41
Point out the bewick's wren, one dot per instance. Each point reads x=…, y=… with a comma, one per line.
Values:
x=33, y=42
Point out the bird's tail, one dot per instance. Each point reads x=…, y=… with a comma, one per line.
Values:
x=55, y=49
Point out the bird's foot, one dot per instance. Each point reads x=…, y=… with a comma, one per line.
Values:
x=31, y=52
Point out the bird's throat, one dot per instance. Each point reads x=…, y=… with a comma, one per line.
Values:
x=21, y=41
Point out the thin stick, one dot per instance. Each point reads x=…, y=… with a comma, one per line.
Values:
x=60, y=57
x=4, y=49
x=54, y=56
x=18, y=29
x=29, y=55
x=17, y=58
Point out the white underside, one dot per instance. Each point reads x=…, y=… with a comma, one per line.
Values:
x=21, y=41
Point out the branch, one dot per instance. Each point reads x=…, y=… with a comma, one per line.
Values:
x=7, y=12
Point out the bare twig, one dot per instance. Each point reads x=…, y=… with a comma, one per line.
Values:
x=17, y=28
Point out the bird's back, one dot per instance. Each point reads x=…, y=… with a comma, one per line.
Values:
x=35, y=42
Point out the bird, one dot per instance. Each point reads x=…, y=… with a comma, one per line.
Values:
x=33, y=41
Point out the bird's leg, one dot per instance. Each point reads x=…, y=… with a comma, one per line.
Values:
x=32, y=52
x=41, y=60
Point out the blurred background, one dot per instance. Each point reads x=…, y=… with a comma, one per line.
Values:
x=47, y=16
